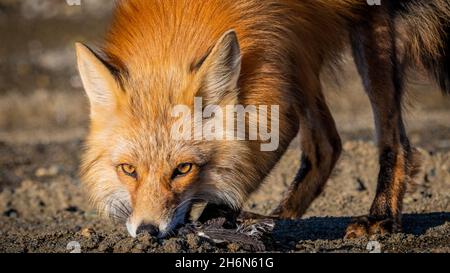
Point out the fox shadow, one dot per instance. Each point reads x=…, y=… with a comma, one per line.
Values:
x=333, y=228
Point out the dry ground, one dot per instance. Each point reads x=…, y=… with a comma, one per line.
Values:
x=43, y=119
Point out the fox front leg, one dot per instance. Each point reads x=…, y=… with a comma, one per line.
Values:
x=321, y=148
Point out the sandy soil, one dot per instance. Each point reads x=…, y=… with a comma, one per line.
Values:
x=43, y=120
x=44, y=209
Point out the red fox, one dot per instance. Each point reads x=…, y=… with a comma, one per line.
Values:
x=162, y=53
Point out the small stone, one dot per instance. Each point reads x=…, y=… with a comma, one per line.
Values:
x=87, y=232
x=40, y=172
x=47, y=172
x=234, y=247
x=193, y=241
x=139, y=247
x=11, y=213
x=72, y=209
x=360, y=185
x=172, y=246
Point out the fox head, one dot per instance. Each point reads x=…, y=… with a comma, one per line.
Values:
x=133, y=167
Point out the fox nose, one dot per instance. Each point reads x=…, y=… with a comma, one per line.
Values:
x=134, y=229
x=151, y=229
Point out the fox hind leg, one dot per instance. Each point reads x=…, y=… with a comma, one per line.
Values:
x=377, y=57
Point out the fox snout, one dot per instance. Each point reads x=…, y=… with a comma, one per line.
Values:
x=134, y=228
x=158, y=212
x=158, y=225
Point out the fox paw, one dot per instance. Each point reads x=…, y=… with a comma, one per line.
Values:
x=368, y=227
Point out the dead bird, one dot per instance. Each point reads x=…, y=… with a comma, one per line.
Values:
x=247, y=231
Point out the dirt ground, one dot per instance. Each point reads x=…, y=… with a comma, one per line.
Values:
x=44, y=209
x=43, y=120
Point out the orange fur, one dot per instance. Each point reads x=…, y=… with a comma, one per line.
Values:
x=153, y=50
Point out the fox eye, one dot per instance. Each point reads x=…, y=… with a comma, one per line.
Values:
x=128, y=170
x=182, y=169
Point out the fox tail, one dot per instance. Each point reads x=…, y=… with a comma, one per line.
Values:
x=428, y=31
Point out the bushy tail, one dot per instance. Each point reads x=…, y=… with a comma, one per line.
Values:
x=439, y=66
x=427, y=26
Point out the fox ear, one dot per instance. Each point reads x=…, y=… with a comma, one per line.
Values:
x=220, y=71
x=98, y=80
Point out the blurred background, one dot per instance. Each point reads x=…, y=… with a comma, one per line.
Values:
x=44, y=118
x=41, y=95
x=41, y=98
